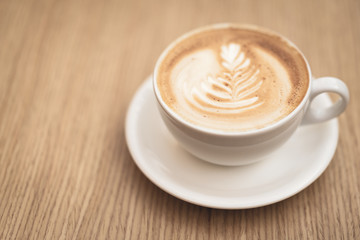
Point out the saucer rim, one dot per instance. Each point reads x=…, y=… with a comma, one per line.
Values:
x=167, y=187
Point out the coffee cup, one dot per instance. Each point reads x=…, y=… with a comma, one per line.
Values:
x=232, y=94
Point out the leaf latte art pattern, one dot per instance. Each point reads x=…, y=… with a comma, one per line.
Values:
x=232, y=90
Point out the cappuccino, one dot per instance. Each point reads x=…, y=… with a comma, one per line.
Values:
x=232, y=78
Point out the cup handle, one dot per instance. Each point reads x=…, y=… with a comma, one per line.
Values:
x=322, y=85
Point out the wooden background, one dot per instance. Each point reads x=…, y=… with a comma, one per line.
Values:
x=68, y=70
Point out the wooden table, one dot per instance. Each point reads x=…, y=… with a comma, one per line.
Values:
x=68, y=70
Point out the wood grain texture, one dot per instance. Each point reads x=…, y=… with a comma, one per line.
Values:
x=68, y=70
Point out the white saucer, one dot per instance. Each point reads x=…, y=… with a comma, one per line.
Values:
x=291, y=169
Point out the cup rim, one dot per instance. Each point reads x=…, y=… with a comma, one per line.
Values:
x=216, y=132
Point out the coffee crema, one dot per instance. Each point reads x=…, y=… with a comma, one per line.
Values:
x=232, y=78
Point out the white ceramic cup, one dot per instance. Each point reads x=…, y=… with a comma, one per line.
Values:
x=240, y=148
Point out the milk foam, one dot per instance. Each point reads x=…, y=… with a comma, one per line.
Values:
x=229, y=84
x=224, y=91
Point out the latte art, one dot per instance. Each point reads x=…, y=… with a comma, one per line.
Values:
x=228, y=91
x=231, y=78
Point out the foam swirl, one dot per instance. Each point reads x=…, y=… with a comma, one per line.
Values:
x=230, y=91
